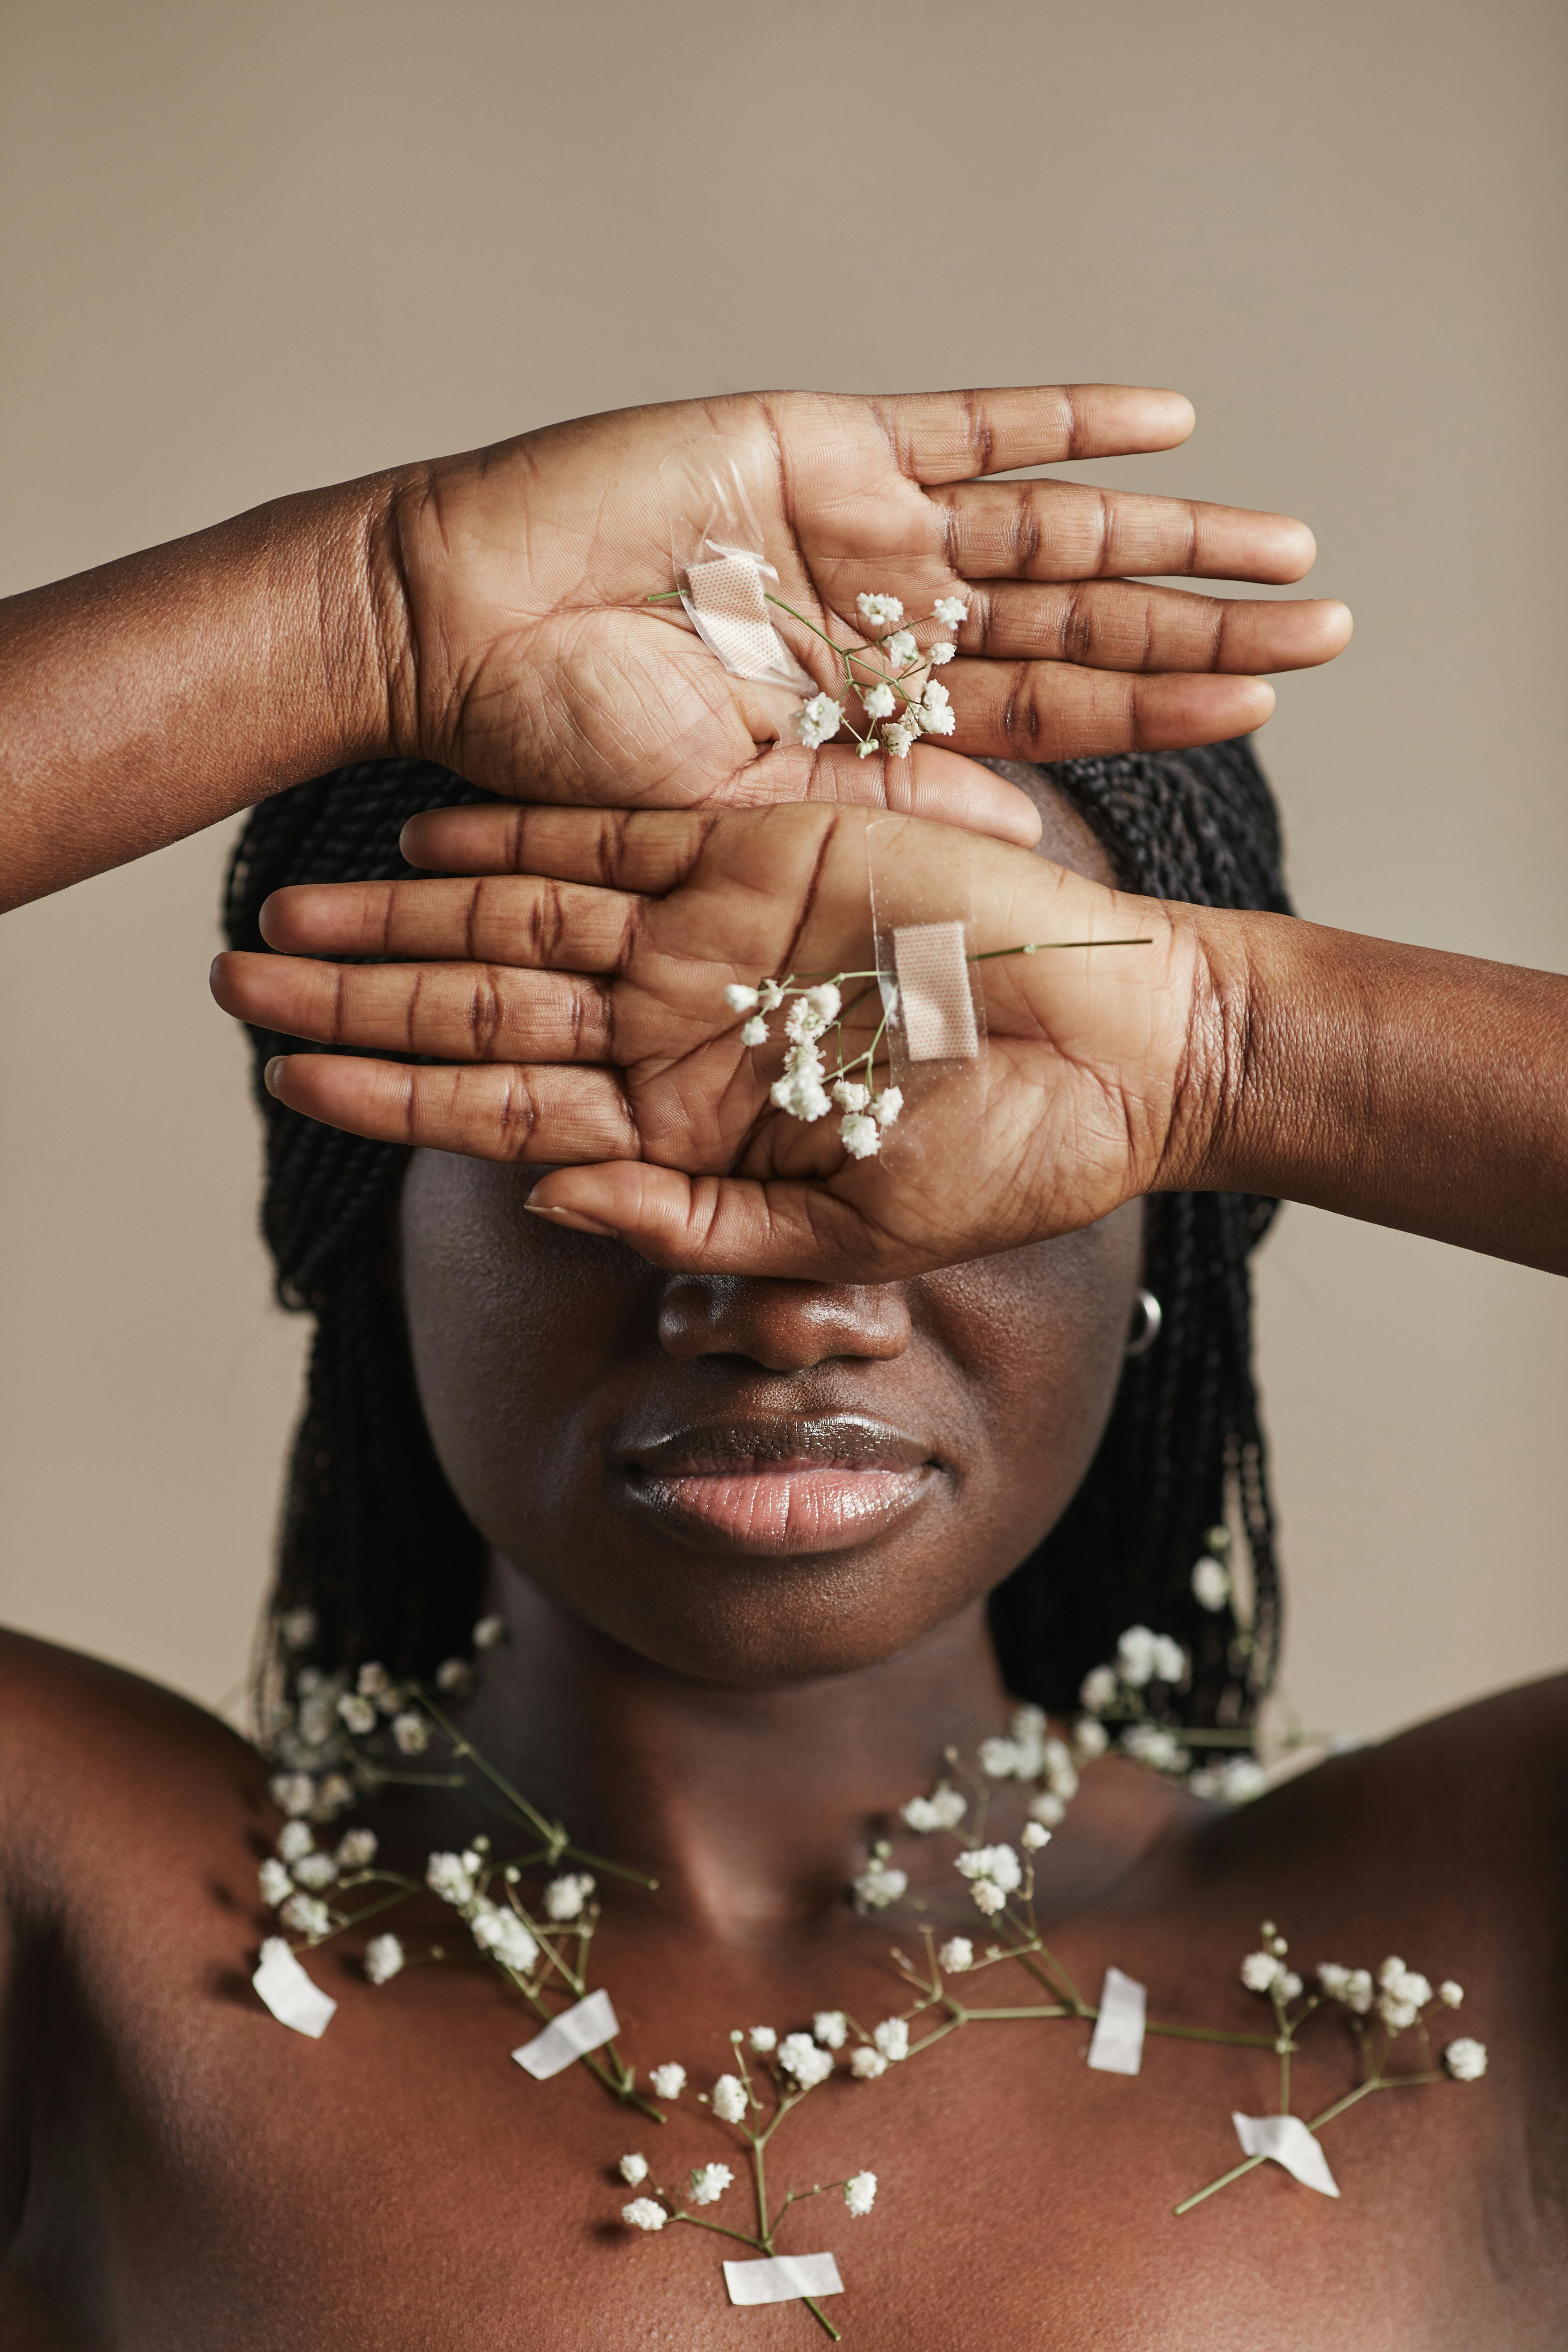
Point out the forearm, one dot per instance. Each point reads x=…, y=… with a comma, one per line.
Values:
x=1395, y=1084
x=145, y=699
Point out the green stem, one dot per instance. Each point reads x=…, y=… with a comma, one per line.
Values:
x=1315, y=2125
x=1044, y=947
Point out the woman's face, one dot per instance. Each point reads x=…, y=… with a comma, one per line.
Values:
x=757, y=1482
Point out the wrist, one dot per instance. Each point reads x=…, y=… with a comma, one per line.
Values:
x=1211, y=1144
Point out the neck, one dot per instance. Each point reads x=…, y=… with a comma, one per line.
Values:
x=753, y=1809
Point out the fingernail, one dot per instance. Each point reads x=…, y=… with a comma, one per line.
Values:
x=575, y=1219
x=270, y=1072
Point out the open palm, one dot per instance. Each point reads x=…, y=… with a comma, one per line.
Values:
x=575, y=996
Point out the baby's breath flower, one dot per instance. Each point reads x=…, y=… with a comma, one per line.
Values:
x=296, y=1628
x=1396, y=2015
x=997, y=1863
x=936, y=709
x=819, y=721
x=454, y=1677
x=373, y=1680
x=446, y=1875
x=763, y=2040
x=866, y=2064
x=754, y=1032
x=632, y=2171
x=294, y=1839
x=1090, y=1737
x=999, y=1759
x=564, y=1897
x=358, y=1715
x=956, y=1955
x=502, y=1933
x=276, y=1884
x=356, y=1848
x=1211, y=1584
x=867, y=748
x=886, y=1107
x=307, y=1915
x=831, y=2028
x=1170, y=1659
x=411, y=1734
x=825, y=1001
x=799, y=2055
x=642, y=2213
x=1466, y=2060
x=1333, y=1979
x=383, y=1957
x=293, y=1792
x=879, y=700
x=1061, y=1772
x=332, y=1795
x=315, y=1871
x=895, y=741
x=668, y=2081
x=877, y=1887
x=1152, y=1745
x=1288, y=1985
x=1259, y=1971
x=1135, y=1657
x=892, y=2039
x=880, y=611
x=1358, y=1992
x=738, y=999
x=988, y=1897
x=1035, y=1834
x=901, y=648
x=860, y=1135
x=490, y=1633
x=729, y=2099
x=950, y=611
x=850, y=1096
x=860, y=2192
x=1098, y=1688
x=770, y=996
x=941, y=653
x=710, y=2184
x=1449, y=1993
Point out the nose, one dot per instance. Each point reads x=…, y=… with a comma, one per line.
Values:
x=786, y=1327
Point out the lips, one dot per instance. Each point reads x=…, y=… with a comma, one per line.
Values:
x=782, y=1485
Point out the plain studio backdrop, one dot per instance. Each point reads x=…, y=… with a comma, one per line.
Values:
x=252, y=248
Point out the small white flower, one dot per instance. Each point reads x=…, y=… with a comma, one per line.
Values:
x=1035, y=1834
x=866, y=2064
x=867, y=748
x=357, y=1713
x=1333, y=1979
x=307, y=1915
x=988, y=1897
x=710, y=2184
x=1397, y=2015
x=999, y=1759
x=936, y=708
x=729, y=2099
x=1061, y=1772
x=315, y=1871
x=941, y=653
x=895, y=741
x=892, y=2039
x=860, y=2193
x=632, y=2171
x=1289, y=1986
x=877, y=1887
x=1466, y=2060
x=454, y=1676
x=880, y=701
x=770, y=996
x=850, y=1096
x=799, y=2055
x=1170, y=1659
x=564, y=1897
x=1390, y=1973
x=1239, y=1780
x=754, y=1032
x=373, y=1680
x=1411, y=1989
x=1358, y=1992
x=1449, y=1993
x=901, y=648
x=293, y=1792
x=831, y=2028
x=1211, y=1584
x=1048, y=1808
x=1098, y=1690
x=445, y=1875
x=880, y=611
x=276, y=1884
x=489, y=1633
x=356, y=1848
x=950, y=611
x=1089, y=1737
x=763, y=2040
x=1154, y=1746
x=1259, y=1971
x=819, y=722
x=997, y=1863
x=294, y=1839
x=738, y=999
x=411, y=1734
x=501, y=1932
x=1135, y=1657
x=642, y=2213
x=860, y=1135
x=825, y=1001
x=383, y=1957
x=669, y=2082
x=956, y=1955
x=332, y=1795
x=296, y=1628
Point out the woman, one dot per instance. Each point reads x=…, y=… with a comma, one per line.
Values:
x=743, y=1511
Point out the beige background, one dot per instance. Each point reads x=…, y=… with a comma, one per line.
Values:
x=248, y=248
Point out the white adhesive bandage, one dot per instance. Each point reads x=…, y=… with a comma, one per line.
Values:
x=712, y=488
x=724, y=601
x=1287, y=2139
x=1116, y=2047
x=289, y=1992
x=937, y=1005
x=782, y=2277
x=572, y=2034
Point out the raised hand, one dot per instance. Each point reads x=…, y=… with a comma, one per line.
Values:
x=576, y=994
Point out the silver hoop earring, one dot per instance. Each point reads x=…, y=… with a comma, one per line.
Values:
x=1147, y=1319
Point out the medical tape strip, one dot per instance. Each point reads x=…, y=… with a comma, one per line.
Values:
x=782, y=2277
x=937, y=1008
x=290, y=1993
x=1287, y=2139
x=572, y=2034
x=726, y=605
x=1116, y=2047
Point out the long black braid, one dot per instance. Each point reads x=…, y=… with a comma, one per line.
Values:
x=373, y=1541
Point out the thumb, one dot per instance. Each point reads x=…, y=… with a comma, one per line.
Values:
x=715, y=1225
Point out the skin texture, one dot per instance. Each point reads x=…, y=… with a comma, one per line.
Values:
x=488, y=610
x=182, y=2169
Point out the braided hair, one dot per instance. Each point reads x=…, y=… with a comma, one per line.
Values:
x=375, y=1544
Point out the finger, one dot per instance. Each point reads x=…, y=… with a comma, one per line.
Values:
x=524, y=921
x=520, y=1113
x=1067, y=531
x=724, y=1224
x=650, y=851
x=1117, y=625
x=1054, y=710
x=952, y=437
x=471, y=1012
